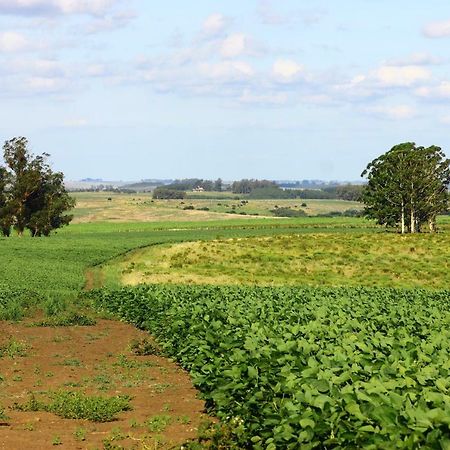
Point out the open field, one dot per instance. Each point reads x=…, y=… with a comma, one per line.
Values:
x=95, y=206
x=327, y=259
x=57, y=266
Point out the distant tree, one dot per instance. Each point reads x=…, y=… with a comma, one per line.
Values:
x=34, y=196
x=218, y=185
x=407, y=186
x=246, y=186
x=350, y=192
x=162, y=193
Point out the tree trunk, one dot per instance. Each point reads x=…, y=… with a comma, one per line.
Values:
x=432, y=225
x=403, y=219
x=413, y=221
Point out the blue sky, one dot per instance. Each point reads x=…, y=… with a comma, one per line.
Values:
x=279, y=89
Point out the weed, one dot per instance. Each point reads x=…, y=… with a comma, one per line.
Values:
x=158, y=423
x=76, y=405
x=56, y=440
x=80, y=434
x=3, y=415
x=144, y=347
x=14, y=349
x=71, y=362
x=66, y=320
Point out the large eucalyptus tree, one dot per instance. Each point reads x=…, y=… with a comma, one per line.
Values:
x=407, y=186
x=32, y=196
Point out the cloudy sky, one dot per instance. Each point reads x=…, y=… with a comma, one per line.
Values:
x=280, y=89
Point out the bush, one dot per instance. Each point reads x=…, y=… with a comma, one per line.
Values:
x=288, y=212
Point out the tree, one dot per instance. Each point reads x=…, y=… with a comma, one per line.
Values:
x=34, y=196
x=5, y=217
x=218, y=185
x=407, y=186
x=163, y=193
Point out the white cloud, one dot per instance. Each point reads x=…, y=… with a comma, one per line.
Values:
x=404, y=76
x=238, y=44
x=51, y=7
x=445, y=120
x=11, y=41
x=227, y=71
x=437, y=29
x=234, y=45
x=396, y=112
x=440, y=91
x=286, y=70
x=45, y=84
x=215, y=24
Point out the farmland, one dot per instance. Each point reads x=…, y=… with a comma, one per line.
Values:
x=283, y=362
x=293, y=368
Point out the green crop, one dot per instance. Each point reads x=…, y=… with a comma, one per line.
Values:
x=291, y=368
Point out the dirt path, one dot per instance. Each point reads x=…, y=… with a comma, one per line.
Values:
x=95, y=360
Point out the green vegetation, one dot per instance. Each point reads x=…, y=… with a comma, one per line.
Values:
x=32, y=196
x=314, y=259
x=408, y=187
x=163, y=193
x=13, y=349
x=307, y=368
x=68, y=319
x=159, y=423
x=33, y=269
x=76, y=405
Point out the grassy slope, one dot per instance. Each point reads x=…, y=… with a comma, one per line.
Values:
x=57, y=264
x=318, y=259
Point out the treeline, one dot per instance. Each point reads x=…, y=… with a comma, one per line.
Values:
x=189, y=184
x=347, y=192
x=256, y=189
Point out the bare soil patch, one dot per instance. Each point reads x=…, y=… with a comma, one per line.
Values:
x=95, y=360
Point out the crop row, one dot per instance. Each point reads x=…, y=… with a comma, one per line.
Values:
x=293, y=368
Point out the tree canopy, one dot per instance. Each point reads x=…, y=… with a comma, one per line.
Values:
x=32, y=196
x=407, y=187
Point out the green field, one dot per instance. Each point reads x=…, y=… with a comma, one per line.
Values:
x=296, y=368
x=316, y=259
x=58, y=265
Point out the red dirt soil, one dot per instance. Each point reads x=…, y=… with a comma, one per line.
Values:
x=88, y=359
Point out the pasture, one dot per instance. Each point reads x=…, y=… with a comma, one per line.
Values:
x=315, y=259
x=117, y=207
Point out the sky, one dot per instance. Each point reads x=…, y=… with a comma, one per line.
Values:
x=277, y=89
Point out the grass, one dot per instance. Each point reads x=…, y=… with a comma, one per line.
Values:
x=51, y=271
x=95, y=206
x=76, y=405
x=332, y=259
x=13, y=348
